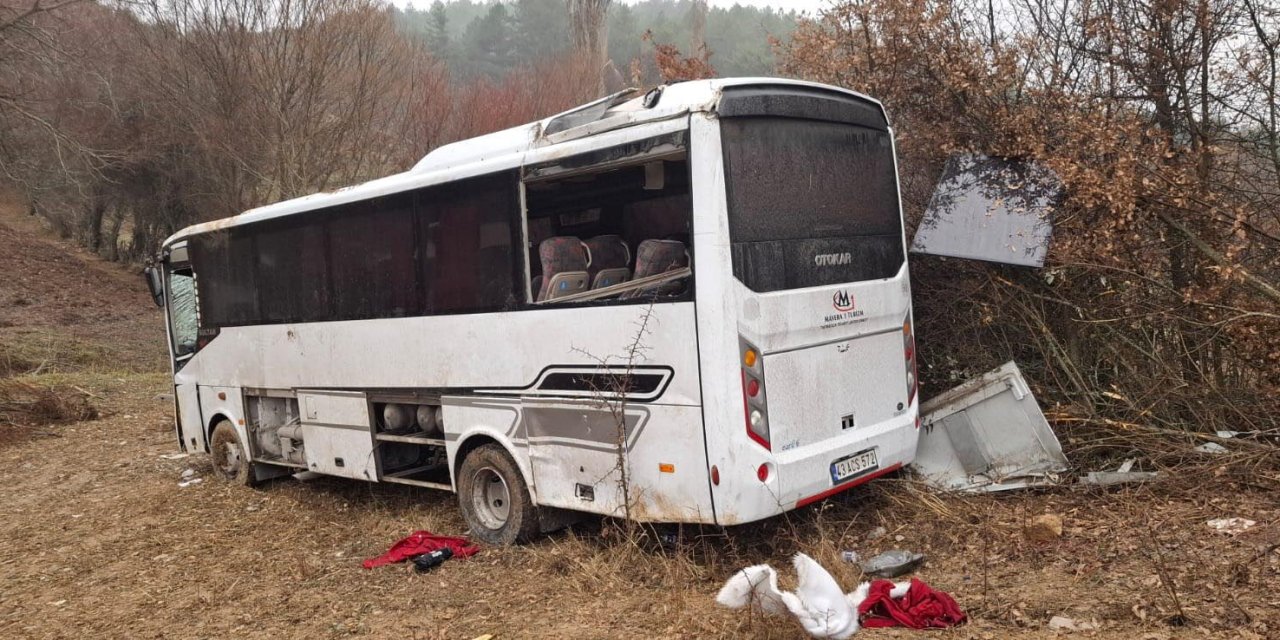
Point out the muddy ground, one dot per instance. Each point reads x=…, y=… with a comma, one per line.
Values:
x=97, y=540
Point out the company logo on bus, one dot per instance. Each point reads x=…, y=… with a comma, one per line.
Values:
x=832, y=259
x=842, y=301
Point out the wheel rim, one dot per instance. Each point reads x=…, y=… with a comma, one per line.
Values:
x=490, y=498
x=229, y=458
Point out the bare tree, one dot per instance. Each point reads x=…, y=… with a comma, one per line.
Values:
x=590, y=28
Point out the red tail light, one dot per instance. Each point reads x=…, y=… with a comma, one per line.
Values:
x=753, y=398
x=909, y=351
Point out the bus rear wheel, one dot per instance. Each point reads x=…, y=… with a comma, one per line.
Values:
x=230, y=456
x=494, y=498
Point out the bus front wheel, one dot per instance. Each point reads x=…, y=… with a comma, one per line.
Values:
x=494, y=499
x=230, y=456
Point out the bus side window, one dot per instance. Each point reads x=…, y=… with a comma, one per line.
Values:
x=467, y=245
x=614, y=212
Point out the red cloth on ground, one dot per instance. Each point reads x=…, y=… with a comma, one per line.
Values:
x=921, y=608
x=420, y=542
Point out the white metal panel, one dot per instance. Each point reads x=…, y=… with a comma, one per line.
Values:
x=812, y=392
x=340, y=451
x=190, y=424
x=577, y=443
x=479, y=351
x=227, y=402
x=990, y=208
x=739, y=497
x=336, y=433
x=805, y=472
x=334, y=408
x=497, y=419
x=988, y=434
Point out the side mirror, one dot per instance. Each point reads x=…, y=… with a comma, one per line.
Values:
x=155, y=283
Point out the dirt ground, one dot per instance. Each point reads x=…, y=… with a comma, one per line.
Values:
x=97, y=540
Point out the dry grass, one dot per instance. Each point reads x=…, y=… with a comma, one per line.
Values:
x=30, y=351
x=25, y=406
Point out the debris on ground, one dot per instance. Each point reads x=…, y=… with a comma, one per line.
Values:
x=824, y=612
x=1231, y=526
x=187, y=483
x=174, y=456
x=1211, y=447
x=892, y=564
x=1046, y=527
x=849, y=555
x=429, y=561
x=1108, y=478
x=423, y=542
x=988, y=435
x=921, y=607
x=1063, y=623
x=876, y=534
x=1122, y=475
x=27, y=404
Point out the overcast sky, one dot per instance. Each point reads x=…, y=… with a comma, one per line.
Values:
x=799, y=5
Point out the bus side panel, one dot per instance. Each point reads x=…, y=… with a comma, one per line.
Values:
x=191, y=424
x=574, y=450
x=740, y=496
x=667, y=468
x=227, y=402
x=497, y=419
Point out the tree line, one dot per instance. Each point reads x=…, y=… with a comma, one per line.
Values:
x=492, y=38
x=123, y=122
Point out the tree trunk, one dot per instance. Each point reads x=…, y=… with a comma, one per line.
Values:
x=590, y=27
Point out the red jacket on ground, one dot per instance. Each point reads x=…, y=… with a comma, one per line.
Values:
x=921, y=608
x=420, y=542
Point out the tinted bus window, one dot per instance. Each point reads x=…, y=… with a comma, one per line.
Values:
x=225, y=263
x=468, y=245
x=810, y=202
x=292, y=275
x=371, y=245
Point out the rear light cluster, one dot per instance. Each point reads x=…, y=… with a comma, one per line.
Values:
x=909, y=349
x=753, y=403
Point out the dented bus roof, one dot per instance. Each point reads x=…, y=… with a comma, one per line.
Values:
x=507, y=148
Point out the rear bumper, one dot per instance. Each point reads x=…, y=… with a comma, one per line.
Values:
x=802, y=476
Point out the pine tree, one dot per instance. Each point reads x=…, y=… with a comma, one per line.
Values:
x=437, y=28
x=542, y=28
x=490, y=43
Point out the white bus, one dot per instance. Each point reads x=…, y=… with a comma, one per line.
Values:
x=690, y=305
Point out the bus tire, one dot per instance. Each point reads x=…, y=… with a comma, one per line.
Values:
x=494, y=498
x=230, y=456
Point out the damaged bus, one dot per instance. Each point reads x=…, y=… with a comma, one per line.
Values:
x=687, y=305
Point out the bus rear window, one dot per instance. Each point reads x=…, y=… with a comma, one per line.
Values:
x=810, y=202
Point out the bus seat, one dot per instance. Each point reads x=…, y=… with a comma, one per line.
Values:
x=565, y=260
x=659, y=256
x=610, y=256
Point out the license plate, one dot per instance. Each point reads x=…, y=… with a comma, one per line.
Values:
x=853, y=465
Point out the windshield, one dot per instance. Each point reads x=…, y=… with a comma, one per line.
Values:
x=810, y=202
x=182, y=311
